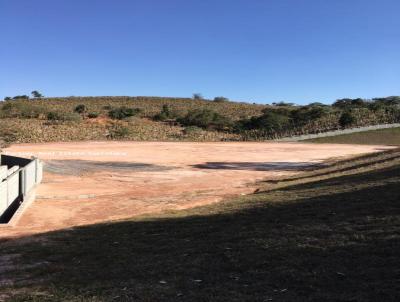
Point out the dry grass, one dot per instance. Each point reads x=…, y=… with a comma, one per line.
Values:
x=152, y=105
x=139, y=129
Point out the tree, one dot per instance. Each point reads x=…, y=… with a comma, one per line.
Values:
x=21, y=97
x=388, y=101
x=197, y=96
x=7, y=98
x=283, y=104
x=347, y=103
x=36, y=94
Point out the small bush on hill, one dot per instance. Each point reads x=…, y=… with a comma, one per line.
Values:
x=81, y=109
x=21, y=97
x=191, y=130
x=305, y=114
x=63, y=116
x=22, y=109
x=220, y=99
x=207, y=119
x=92, y=115
x=346, y=119
x=165, y=114
x=117, y=131
x=283, y=104
x=347, y=103
x=122, y=112
x=388, y=101
x=197, y=96
x=269, y=121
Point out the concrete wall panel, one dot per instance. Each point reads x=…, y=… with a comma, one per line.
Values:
x=12, y=188
x=30, y=176
x=16, y=184
x=39, y=171
x=3, y=197
x=3, y=172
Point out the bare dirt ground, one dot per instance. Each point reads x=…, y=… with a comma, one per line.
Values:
x=91, y=182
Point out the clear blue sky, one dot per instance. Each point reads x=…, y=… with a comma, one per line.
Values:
x=259, y=51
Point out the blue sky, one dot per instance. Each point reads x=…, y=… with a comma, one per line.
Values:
x=259, y=51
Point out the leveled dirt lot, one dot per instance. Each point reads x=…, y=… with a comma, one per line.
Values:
x=91, y=182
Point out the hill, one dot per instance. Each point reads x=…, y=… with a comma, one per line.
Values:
x=26, y=120
x=330, y=234
x=179, y=119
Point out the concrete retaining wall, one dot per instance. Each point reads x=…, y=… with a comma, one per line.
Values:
x=18, y=177
x=337, y=132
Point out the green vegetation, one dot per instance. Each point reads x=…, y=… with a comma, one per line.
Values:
x=81, y=109
x=23, y=110
x=63, y=116
x=220, y=99
x=347, y=119
x=92, y=114
x=206, y=119
x=197, y=96
x=118, y=131
x=390, y=136
x=123, y=112
x=165, y=114
x=36, y=94
x=330, y=234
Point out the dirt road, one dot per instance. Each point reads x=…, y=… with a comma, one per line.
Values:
x=92, y=182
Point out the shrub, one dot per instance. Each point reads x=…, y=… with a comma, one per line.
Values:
x=117, y=131
x=63, y=116
x=165, y=114
x=21, y=97
x=220, y=99
x=388, y=101
x=92, y=115
x=305, y=114
x=80, y=109
x=283, y=104
x=22, y=109
x=269, y=121
x=346, y=119
x=207, y=119
x=191, y=130
x=347, y=103
x=122, y=112
x=197, y=96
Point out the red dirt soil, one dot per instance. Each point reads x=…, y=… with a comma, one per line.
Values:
x=92, y=182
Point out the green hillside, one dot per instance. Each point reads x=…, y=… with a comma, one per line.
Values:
x=389, y=136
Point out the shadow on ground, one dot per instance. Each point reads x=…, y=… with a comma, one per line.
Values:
x=258, y=166
x=76, y=167
x=313, y=242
